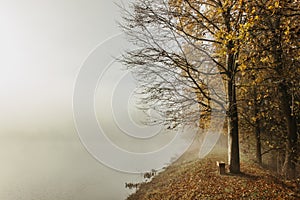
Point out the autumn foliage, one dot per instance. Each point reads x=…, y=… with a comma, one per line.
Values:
x=252, y=45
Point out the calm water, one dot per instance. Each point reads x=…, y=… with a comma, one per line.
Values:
x=55, y=167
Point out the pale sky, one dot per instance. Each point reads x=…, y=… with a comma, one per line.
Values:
x=43, y=44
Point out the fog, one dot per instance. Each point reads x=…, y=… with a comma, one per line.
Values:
x=43, y=45
x=55, y=166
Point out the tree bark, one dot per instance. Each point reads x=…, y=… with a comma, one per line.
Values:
x=258, y=143
x=257, y=129
x=290, y=159
x=233, y=136
x=232, y=115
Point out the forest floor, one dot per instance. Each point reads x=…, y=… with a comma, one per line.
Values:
x=199, y=179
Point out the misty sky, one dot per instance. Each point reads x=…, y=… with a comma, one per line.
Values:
x=43, y=45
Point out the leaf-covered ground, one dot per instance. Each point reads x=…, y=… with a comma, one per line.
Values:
x=199, y=179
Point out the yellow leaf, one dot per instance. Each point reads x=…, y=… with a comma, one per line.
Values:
x=265, y=59
x=287, y=30
x=243, y=67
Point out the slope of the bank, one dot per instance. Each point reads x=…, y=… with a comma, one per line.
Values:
x=199, y=179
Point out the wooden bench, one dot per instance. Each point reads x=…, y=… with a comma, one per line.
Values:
x=221, y=166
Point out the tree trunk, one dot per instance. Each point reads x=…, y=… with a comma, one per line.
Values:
x=232, y=115
x=257, y=129
x=258, y=143
x=290, y=159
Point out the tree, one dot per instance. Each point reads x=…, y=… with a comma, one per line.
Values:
x=167, y=33
x=261, y=118
x=274, y=39
x=172, y=68
x=250, y=104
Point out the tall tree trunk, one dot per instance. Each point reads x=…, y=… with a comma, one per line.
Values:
x=232, y=115
x=258, y=143
x=257, y=129
x=290, y=159
x=233, y=136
